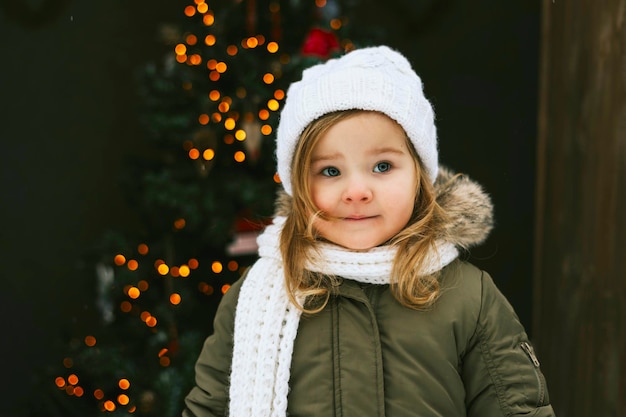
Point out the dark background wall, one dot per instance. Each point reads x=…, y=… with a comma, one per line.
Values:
x=68, y=119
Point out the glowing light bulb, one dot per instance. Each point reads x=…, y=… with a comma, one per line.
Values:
x=273, y=105
x=143, y=249
x=240, y=135
x=232, y=50
x=229, y=123
x=126, y=306
x=90, y=341
x=266, y=130
x=119, y=260
x=134, y=293
x=109, y=405
x=194, y=153
x=191, y=39
x=180, y=49
x=184, y=271
x=221, y=67
x=208, y=19
x=209, y=40
x=180, y=223
x=272, y=47
x=132, y=265
x=195, y=59
x=223, y=107
x=239, y=156
x=208, y=154
x=252, y=42
x=175, y=299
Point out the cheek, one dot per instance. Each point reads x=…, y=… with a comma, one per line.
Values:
x=319, y=197
x=403, y=201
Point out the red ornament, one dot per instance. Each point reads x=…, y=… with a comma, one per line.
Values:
x=320, y=43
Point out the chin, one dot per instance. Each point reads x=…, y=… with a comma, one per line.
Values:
x=357, y=246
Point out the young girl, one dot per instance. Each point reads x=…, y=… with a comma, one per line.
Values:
x=359, y=304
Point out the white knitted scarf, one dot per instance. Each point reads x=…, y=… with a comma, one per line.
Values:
x=266, y=322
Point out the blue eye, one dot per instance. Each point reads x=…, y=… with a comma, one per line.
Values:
x=382, y=167
x=330, y=172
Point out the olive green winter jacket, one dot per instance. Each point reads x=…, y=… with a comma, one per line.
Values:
x=365, y=355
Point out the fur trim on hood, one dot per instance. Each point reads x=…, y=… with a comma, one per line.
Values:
x=469, y=208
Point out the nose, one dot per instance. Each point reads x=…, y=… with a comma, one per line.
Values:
x=357, y=190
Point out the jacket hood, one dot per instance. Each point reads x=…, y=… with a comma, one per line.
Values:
x=467, y=205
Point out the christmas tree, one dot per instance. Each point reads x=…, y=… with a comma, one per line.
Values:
x=202, y=188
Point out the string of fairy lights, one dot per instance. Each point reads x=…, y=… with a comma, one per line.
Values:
x=247, y=128
x=255, y=126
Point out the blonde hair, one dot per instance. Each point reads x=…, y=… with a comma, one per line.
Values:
x=414, y=243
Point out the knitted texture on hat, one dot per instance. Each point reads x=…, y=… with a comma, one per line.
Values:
x=375, y=79
x=266, y=322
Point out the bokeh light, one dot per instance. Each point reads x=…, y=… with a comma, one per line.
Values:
x=124, y=383
x=119, y=260
x=239, y=156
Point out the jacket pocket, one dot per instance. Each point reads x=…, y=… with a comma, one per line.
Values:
x=541, y=382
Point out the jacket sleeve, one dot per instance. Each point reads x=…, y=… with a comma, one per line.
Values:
x=209, y=396
x=500, y=371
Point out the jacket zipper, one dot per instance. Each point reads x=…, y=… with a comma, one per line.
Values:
x=528, y=349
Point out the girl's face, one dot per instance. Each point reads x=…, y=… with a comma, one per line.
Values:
x=363, y=178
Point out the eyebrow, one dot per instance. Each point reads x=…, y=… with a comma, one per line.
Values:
x=327, y=157
x=375, y=151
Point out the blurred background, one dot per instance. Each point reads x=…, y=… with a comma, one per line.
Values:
x=137, y=167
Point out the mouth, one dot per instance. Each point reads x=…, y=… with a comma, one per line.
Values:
x=358, y=218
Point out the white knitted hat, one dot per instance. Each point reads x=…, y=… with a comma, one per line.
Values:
x=374, y=78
